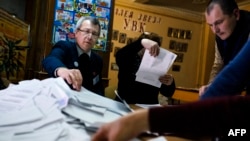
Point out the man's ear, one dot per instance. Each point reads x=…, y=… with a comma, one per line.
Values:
x=236, y=13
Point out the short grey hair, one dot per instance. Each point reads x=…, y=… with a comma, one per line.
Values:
x=227, y=6
x=93, y=20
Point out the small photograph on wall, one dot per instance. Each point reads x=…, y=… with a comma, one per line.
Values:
x=172, y=44
x=176, y=68
x=129, y=40
x=178, y=47
x=122, y=37
x=115, y=35
x=170, y=32
x=175, y=33
x=116, y=50
x=114, y=67
x=181, y=34
x=179, y=57
x=188, y=34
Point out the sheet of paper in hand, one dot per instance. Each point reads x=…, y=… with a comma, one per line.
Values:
x=152, y=68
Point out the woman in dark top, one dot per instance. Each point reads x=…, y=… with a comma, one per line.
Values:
x=128, y=60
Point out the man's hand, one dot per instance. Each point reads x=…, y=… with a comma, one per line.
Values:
x=203, y=89
x=72, y=76
x=124, y=128
x=152, y=46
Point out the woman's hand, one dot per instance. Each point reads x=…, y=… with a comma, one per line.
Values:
x=166, y=79
x=124, y=128
x=152, y=46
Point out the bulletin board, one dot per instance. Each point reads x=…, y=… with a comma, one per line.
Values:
x=67, y=13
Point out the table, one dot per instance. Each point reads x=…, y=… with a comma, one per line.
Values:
x=176, y=138
x=186, y=94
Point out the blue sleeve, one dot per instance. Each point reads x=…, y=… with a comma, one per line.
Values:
x=233, y=78
x=60, y=56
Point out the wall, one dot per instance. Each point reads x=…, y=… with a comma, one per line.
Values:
x=127, y=21
x=245, y=6
x=14, y=41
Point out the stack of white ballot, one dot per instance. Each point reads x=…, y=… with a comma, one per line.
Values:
x=49, y=110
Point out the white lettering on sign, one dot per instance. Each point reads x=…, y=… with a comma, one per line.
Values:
x=237, y=132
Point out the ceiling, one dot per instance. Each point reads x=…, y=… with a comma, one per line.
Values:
x=190, y=5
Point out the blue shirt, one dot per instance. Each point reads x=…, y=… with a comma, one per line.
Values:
x=234, y=77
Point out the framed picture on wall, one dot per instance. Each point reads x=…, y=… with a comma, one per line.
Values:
x=179, y=57
x=178, y=47
x=176, y=33
x=181, y=34
x=188, y=34
x=115, y=35
x=170, y=32
x=129, y=40
x=176, y=68
x=122, y=37
x=172, y=44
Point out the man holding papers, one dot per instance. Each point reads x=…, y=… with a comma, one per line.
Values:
x=140, y=79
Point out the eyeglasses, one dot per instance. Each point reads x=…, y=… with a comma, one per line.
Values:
x=85, y=32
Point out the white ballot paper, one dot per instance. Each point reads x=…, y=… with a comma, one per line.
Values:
x=152, y=68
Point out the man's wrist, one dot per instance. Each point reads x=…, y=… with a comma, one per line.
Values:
x=56, y=72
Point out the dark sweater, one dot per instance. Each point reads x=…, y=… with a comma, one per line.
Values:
x=232, y=45
x=64, y=54
x=233, y=78
x=207, y=118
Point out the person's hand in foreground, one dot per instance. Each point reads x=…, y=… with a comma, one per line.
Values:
x=124, y=128
x=203, y=89
x=72, y=76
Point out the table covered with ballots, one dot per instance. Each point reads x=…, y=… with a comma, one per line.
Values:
x=48, y=110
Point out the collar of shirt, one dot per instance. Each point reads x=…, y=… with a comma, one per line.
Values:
x=79, y=51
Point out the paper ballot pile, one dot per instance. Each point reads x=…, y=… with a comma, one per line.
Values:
x=49, y=110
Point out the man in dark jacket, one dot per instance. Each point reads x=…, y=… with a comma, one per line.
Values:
x=74, y=61
x=232, y=29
